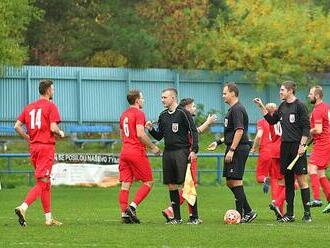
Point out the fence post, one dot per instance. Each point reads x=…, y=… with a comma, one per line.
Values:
x=218, y=169
x=80, y=117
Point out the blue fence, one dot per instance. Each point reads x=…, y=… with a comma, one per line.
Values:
x=98, y=95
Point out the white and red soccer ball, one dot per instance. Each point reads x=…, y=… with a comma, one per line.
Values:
x=232, y=217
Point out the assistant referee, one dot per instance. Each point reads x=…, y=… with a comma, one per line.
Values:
x=293, y=116
x=175, y=125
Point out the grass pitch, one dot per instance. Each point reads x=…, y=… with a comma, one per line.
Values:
x=91, y=219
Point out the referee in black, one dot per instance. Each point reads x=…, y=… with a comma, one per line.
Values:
x=236, y=138
x=175, y=125
x=293, y=116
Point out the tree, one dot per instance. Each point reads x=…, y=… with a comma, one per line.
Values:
x=15, y=16
x=273, y=40
x=91, y=32
x=176, y=24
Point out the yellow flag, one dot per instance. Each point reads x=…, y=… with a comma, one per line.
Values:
x=189, y=191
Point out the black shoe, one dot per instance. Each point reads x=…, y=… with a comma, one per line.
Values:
x=287, y=218
x=126, y=220
x=315, y=203
x=131, y=212
x=194, y=221
x=21, y=216
x=276, y=210
x=307, y=217
x=249, y=217
x=266, y=185
x=174, y=222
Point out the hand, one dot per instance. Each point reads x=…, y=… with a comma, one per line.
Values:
x=253, y=149
x=212, y=146
x=212, y=119
x=301, y=150
x=27, y=138
x=148, y=125
x=61, y=133
x=258, y=102
x=229, y=156
x=155, y=150
x=192, y=156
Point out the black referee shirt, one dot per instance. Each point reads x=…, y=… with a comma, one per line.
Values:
x=294, y=120
x=175, y=128
x=236, y=118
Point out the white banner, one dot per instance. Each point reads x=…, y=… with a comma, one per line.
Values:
x=85, y=174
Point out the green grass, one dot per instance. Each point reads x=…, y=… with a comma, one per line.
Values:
x=91, y=219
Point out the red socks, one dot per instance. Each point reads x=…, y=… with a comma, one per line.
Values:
x=46, y=198
x=35, y=192
x=326, y=187
x=123, y=199
x=142, y=193
x=315, y=186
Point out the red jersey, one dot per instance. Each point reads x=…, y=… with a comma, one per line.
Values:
x=129, y=119
x=37, y=117
x=275, y=133
x=321, y=115
x=265, y=140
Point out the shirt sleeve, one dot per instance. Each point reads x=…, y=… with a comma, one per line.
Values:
x=54, y=115
x=260, y=125
x=158, y=133
x=193, y=131
x=304, y=120
x=317, y=116
x=272, y=119
x=238, y=119
x=21, y=117
x=140, y=118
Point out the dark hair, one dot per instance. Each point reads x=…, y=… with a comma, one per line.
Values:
x=290, y=85
x=133, y=95
x=232, y=87
x=186, y=101
x=174, y=90
x=44, y=86
x=318, y=90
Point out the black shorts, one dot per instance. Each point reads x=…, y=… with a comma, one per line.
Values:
x=175, y=166
x=288, y=152
x=235, y=169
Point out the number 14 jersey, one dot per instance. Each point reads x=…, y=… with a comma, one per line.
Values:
x=37, y=117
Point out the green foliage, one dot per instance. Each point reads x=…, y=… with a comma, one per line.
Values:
x=274, y=40
x=15, y=16
x=80, y=32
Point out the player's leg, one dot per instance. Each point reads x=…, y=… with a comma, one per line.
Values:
x=141, y=171
x=180, y=161
x=324, y=181
x=287, y=154
x=262, y=171
x=315, y=183
x=126, y=178
x=300, y=170
x=235, y=183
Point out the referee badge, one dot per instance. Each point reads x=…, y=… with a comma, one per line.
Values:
x=226, y=122
x=292, y=118
x=175, y=127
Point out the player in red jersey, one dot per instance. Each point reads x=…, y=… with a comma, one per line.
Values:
x=277, y=179
x=263, y=141
x=189, y=105
x=320, y=155
x=133, y=162
x=40, y=118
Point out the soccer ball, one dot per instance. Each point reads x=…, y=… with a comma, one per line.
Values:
x=232, y=217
